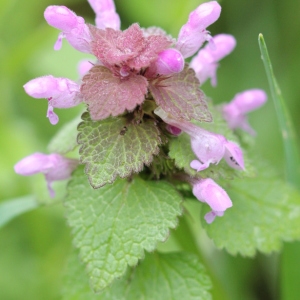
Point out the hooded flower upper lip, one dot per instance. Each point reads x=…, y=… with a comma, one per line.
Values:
x=54, y=166
x=235, y=112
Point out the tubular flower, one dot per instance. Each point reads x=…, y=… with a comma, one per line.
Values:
x=235, y=112
x=53, y=166
x=206, y=190
x=205, y=63
x=60, y=92
x=106, y=16
x=73, y=27
x=193, y=34
x=209, y=147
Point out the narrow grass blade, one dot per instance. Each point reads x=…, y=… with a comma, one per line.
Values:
x=290, y=272
x=290, y=142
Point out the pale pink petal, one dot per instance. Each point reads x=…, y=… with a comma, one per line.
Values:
x=249, y=100
x=84, y=66
x=52, y=116
x=106, y=15
x=235, y=111
x=53, y=166
x=73, y=27
x=193, y=34
x=107, y=94
x=205, y=63
x=33, y=164
x=60, y=93
x=210, y=216
x=206, y=190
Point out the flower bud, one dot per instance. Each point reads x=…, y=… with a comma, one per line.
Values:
x=169, y=61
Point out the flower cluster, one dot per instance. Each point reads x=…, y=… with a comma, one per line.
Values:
x=140, y=64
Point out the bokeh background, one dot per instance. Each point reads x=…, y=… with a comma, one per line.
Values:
x=34, y=246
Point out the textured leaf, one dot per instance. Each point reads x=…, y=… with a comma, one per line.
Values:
x=113, y=226
x=265, y=212
x=107, y=94
x=15, y=207
x=159, y=276
x=181, y=151
x=112, y=148
x=65, y=140
x=130, y=47
x=180, y=96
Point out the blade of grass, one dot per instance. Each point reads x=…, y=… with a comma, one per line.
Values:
x=290, y=271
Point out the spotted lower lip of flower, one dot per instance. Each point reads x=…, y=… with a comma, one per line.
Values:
x=60, y=93
x=53, y=166
x=206, y=190
x=235, y=112
x=209, y=147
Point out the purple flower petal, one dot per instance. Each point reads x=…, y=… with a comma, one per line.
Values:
x=53, y=166
x=169, y=61
x=206, y=190
x=234, y=156
x=73, y=27
x=106, y=16
x=205, y=63
x=193, y=34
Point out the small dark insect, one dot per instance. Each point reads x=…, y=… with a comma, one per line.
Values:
x=123, y=130
x=233, y=160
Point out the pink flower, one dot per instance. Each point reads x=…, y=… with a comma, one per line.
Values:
x=193, y=34
x=60, y=92
x=235, y=112
x=53, y=166
x=73, y=27
x=106, y=16
x=209, y=147
x=206, y=190
x=205, y=63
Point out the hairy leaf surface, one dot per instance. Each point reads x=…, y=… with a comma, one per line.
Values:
x=181, y=96
x=265, y=212
x=159, y=276
x=107, y=94
x=114, y=225
x=112, y=147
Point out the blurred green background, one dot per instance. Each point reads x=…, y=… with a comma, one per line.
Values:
x=34, y=246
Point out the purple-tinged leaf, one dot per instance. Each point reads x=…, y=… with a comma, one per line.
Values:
x=180, y=96
x=107, y=94
x=129, y=47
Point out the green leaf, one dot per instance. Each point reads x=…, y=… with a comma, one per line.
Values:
x=182, y=153
x=265, y=212
x=113, y=226
x=15, y=207
x=159, y=276
x=65, y=139
x=113, y=147
x=290, y=140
